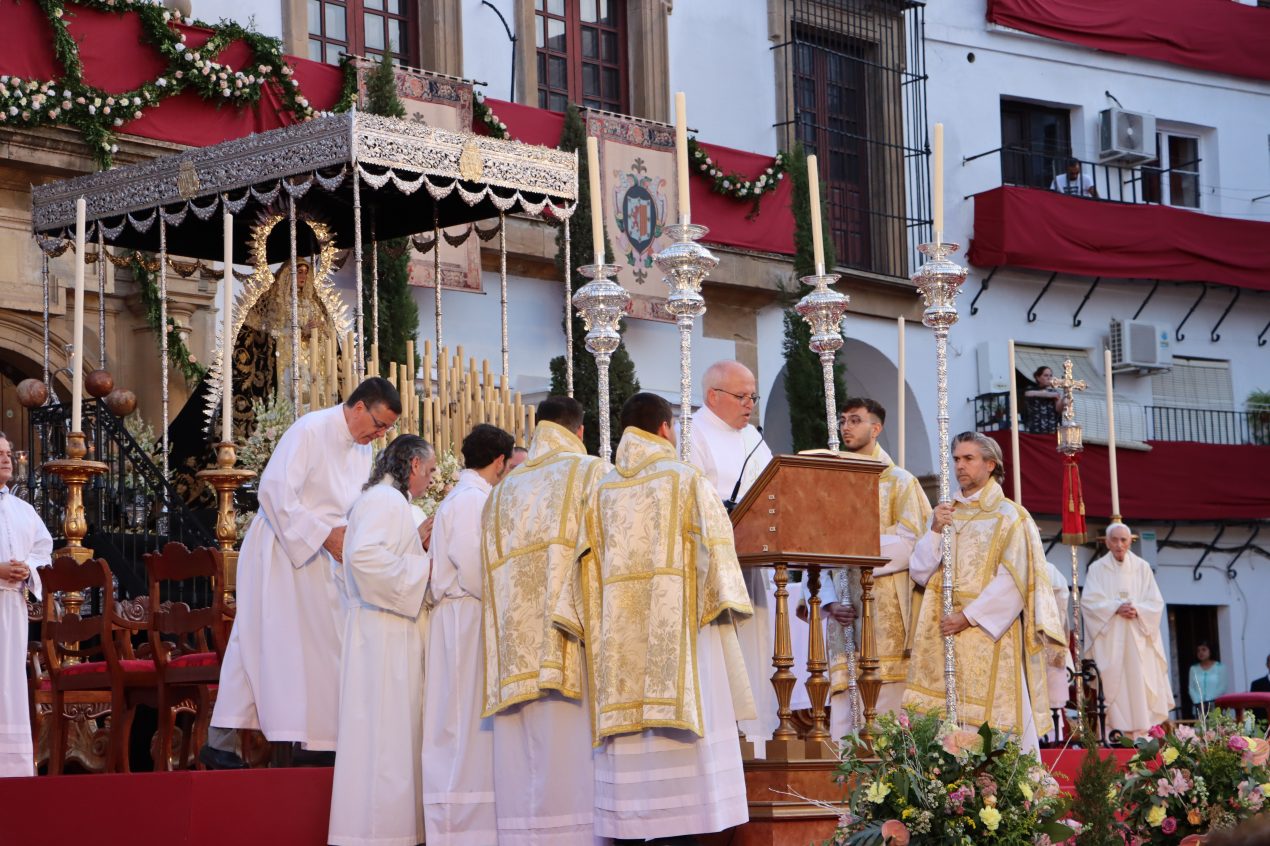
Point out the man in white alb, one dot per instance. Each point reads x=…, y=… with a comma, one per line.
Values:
x=281, y=669
x=731, y=453
x=25, y=544
x=1122, y=607
x=458, y=744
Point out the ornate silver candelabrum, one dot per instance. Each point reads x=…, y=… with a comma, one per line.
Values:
x=938, y=281
x=602, y=302
x=685, y=264
x=824, y=309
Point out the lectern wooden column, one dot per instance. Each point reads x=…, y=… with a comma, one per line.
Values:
x=809, y=512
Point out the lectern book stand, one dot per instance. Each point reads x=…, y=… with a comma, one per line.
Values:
x=810, y=512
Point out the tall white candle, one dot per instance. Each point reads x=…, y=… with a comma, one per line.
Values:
x=938, y=187
x=597, y=210
x=1111, y=438
x=899, y=402
x=681, y=157
x=1016, y=468
x=813, y=192
x=77, y=359
x=227, y=335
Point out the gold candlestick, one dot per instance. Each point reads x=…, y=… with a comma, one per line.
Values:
x=74, y=471
x=227, y=479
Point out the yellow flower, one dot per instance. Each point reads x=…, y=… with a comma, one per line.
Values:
x=990, y=801
x=991, y=818
x=1156, y=815
x=1111, y=794
x=1169, y=754
x=877, y=791
x=906, y=813
x=880, y=742
x=1265, y=788
x=1026, y=791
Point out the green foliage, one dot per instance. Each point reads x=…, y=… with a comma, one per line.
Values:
x=1258, y=405
x=804, y=379
x=178, y=353
x=1095, y=783
x=398, y=315
x=622, y=380
x=97, y=113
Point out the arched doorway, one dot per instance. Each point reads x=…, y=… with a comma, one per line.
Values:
x=869, y=374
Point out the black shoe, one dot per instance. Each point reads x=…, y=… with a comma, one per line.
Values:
x=301, y=757
x=219, y=759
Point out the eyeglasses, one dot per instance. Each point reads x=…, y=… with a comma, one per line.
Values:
x=379, y=426
x=853, y=420
x=740, y=397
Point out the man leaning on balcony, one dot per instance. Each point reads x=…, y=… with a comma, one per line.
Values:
x=1074, y=182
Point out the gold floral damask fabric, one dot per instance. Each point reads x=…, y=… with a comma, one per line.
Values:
x=902, y=506
x=657, y=563
x=528, y=548
x=989, y=532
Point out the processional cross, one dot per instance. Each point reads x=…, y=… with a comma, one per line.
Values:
x=1067, y=384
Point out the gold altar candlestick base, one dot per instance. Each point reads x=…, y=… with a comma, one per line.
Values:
x=870, y=681
x=226, y=479
x=75, y=471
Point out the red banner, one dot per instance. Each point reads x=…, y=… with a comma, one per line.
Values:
x=1046, y=230
x=1212, y=35
x=1073, y=503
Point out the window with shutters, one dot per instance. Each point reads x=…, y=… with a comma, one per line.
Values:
x=363, y=28
x=1195, y=383
x=581, y=54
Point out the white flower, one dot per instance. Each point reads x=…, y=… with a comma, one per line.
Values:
x=118, y=122
x=225, y=93
x=106, y=110
x=66, y=104
x=161, y=82
x=502, y=126
x=54, y=113
x=110, y=101
x=179, y=74
x=92, y=110
x=13, y=110
x=97, y=101
x=179, y=46
x=57, y=13
x=114, y=148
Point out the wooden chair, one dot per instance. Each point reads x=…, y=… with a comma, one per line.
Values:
x=87, y=653
x=186, y=625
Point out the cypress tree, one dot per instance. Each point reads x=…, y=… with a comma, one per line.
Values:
x=622, y=380
x=804, y=382
x=398, y=315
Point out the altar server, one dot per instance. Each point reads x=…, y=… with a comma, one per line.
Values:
x=534, y=672
x=281, y=668
x=458, y=758
x=24, y=545
x=657, y=593
x=376, y=793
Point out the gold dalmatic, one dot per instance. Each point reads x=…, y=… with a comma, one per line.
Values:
x=528, y=546
x=902, y=506
x=989, y=532
x=657, y=565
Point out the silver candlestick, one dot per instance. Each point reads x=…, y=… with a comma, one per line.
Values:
x=824, y=310
x=938, y=281
x=601, y=303
x=685, y=264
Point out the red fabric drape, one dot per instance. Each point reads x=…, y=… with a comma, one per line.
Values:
x=1073, y=502
x=525, y=123
x=1175, y=480
x=1046, y=230
x=1213, y=35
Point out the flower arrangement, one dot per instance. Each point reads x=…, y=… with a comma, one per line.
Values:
x=945, y=786
x=1185, y=781
x=449, y=466
x=481, y=110
x=735, y=185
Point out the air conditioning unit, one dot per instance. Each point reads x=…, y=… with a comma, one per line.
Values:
x=1126, y=137
x=1137, y=345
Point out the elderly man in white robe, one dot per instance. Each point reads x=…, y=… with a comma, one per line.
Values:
x=1122, y=607
x=281, y=669
x=25, y=545
x=535, y=689
x=657, y=592
x=731, y=453
x=377, y=790
x=458, y=758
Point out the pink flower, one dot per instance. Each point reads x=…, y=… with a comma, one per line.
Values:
x=1184, y=733
x=894, y=833
x=1168, y=826
x=1258, y=751
x=1237, y=743
x=1156, y=732
x=903, y=719
x=961, y=740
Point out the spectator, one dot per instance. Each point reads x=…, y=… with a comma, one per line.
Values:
x=1207, y=679
x=1262, y=685
x=1074, y=182
x=1042, y=404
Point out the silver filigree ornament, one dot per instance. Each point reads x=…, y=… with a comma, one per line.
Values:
x=685, y=264
x=938, y=281
x=602, y=303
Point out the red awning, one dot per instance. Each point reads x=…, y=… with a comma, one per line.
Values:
x=1175, y=480
x=1046, y=230
x=1213, y=35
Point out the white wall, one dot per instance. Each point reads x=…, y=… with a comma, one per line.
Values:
x=487, y=53
x=263, y=16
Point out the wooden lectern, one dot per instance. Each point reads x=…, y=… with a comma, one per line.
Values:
x=808, y=512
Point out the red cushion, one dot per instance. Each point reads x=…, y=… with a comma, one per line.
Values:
x=128, y=665
x=194, y=659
